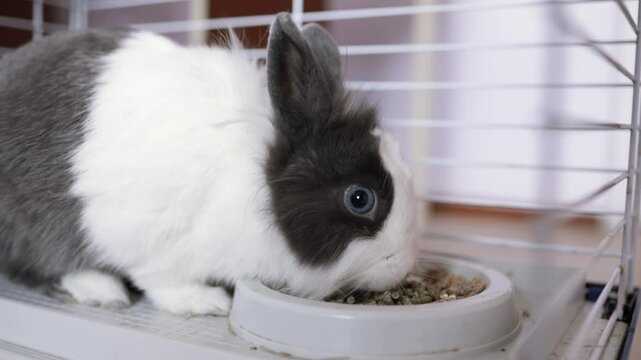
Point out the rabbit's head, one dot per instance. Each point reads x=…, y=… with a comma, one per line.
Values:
x=340, y=193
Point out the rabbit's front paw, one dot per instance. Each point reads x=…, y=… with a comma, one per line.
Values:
x=191, y=299
x=93, y=288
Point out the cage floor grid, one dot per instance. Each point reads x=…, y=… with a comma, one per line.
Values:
x=35, y=326
x=209, y=335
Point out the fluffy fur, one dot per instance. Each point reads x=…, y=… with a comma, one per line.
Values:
x=324, y=144
x=178, y=175
x=44, y=95
x=95, y=288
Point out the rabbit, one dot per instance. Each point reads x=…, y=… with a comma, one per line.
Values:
x=127, y=158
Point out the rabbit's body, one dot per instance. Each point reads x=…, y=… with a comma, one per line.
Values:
x=165, y=174
x=189, y=168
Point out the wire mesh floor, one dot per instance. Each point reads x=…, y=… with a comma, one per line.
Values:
x=206, y=333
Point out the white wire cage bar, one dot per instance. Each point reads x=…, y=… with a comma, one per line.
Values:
x=628, y=227
x=350, y=14
x=389, y=49
x=28, y=25
x=471, y=124
x=38, y=19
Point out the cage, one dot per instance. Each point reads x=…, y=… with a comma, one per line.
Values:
x=521, y=121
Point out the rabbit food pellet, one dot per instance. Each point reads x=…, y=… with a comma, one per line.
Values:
x=433, y=285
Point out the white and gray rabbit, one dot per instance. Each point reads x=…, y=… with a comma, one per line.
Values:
x=126, y=156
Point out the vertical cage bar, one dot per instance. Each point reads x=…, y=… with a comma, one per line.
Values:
x=78, y=13
x=298, y=7
x=73, y=5
x=632, y=199
x=83, y=13
x=545, y=227
x=37, y=19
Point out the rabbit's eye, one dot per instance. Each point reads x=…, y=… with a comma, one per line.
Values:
x=360, y=201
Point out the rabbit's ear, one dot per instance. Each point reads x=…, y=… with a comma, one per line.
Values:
x=301, y=92
x=325, y=50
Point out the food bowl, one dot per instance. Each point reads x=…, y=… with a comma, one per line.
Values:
x=315, y=329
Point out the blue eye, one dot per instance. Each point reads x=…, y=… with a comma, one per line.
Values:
x=360, y=200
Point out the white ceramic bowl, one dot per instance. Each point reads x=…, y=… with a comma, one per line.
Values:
x=315, y=329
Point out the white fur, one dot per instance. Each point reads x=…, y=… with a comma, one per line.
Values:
x=191, y=299
x=95, y=288
x=174, y=189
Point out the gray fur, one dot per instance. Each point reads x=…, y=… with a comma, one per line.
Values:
x=325, y=50
x=45, y=87
x=324, y=145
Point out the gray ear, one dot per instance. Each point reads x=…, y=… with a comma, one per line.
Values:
x=325, y=50
x=300, y=88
